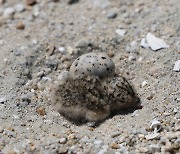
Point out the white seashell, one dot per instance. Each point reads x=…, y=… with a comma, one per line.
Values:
x=177, y=66
x=156, y=126
x=155, y=43
x=152, y=136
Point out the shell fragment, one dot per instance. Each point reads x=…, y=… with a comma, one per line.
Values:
x=155, y=43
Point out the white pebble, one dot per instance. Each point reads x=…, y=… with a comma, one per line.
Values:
x=19, y=7
x=177, y=66
x=2, y=100
x=144, y=83
x=62, y=50
x=8, y=12
x=121, y=32
x=62, y=140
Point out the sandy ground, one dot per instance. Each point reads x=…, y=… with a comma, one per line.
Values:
x=31, y=59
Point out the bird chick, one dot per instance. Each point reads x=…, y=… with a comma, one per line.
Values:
x=91, y=92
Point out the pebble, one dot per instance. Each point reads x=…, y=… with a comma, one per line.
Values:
x=177, y=66
x=20, y=25
x=121, y=32
x=26, y=97
x=62, y=140
x=114, y=146
x=62, y=150
x=71, y=137
x=144, y=83
x=111, y=15
x=3, y=100
x=8, y=12
x=41, y=111
x=132, y=57
x=62, y=50
x=19, y=7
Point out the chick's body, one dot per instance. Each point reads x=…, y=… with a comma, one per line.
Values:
x=90, y=99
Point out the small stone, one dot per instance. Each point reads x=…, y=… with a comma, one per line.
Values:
x=71, y=137
x=19, y=7
x=132, y=57
x=114, y=146
x=144, y=83
x=41, y=111
x=8, y=12
x=2, y=100
x=20, y=25
x=62, y=140
x=50, y=49
x=62, y=150
x=34, y=41
x=121, y=32
x=26, y=97
x=62, y=50
x=31, y=2
x=40, y=74
x=91, y=124
x=141, y=136
x=177, y=66
x=111, y=15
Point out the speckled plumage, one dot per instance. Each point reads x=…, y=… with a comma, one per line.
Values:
x=92, y=99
